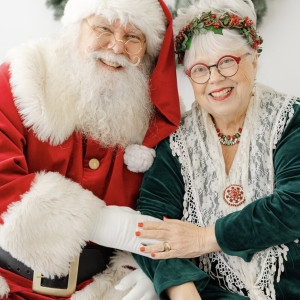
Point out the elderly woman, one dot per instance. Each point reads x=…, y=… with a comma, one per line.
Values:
x=231, y=172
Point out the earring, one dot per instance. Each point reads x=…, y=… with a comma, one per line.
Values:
x=253, y=91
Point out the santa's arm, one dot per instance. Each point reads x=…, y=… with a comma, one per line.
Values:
x=46, y=218
x=47, y=228
x=47, y=225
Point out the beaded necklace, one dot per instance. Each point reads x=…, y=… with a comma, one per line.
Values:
x=229, y=140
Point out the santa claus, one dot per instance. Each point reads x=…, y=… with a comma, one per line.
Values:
x=73, y=108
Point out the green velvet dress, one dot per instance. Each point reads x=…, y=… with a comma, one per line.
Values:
x=272, y=220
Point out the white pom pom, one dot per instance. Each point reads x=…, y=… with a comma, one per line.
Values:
x=4, y=288
x=138, y=158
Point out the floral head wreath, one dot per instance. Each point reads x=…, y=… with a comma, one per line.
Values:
x=210, y=21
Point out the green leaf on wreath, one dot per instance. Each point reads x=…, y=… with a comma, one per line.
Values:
x=188, y=43
x=215, y=30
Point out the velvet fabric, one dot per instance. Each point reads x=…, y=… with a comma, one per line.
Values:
x=163, y=89
x=265, y=222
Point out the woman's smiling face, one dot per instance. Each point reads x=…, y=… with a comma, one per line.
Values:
x=226, y=97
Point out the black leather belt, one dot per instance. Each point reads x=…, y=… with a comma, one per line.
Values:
x=92, y=260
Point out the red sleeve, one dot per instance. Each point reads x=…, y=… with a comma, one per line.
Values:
x=48, y=208
x=14, y=177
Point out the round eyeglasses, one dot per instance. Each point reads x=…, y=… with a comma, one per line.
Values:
x=106, y=39
x=227, y=66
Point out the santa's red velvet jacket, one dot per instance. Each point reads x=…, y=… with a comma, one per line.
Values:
x=49, y=193
x=24, y=160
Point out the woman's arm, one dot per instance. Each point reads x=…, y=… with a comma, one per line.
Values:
x=266, y=222
x=161, y=195
x=272, y=220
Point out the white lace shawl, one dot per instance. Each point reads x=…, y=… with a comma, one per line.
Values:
x=202, y=165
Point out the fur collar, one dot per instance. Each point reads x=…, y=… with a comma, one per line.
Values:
x=41, y=97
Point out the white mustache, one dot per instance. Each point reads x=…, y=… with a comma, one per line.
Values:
x=119, y=59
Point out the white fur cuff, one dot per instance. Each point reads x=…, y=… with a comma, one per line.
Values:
x=139, y=158
x=4, y=288
x=49, y=226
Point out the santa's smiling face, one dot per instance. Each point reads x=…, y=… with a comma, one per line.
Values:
x=112, y=101
x=124, y=40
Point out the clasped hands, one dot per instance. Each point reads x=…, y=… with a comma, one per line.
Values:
x=179, y=239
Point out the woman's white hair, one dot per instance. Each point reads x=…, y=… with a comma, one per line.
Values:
x=210, y=43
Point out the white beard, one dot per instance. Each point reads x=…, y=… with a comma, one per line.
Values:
x=113, y=108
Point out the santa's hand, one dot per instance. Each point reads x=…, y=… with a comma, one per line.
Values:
x=115, y=227
x=141, y=286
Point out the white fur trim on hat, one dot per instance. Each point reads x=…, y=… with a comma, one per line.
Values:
x=147, y=15
x=138, y=158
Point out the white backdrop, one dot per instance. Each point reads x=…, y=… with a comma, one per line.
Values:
x=279, y=62
x=21, y=20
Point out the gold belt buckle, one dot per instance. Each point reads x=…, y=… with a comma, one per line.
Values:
x=72, y=281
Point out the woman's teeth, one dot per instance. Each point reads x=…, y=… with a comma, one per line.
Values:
x=110, y=63
x=222, y=93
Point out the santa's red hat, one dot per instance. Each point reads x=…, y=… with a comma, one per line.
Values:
x=154, y=19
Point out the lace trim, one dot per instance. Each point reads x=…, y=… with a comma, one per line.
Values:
x=274, y=263
x=230, y=280
x=284, y=117
x=264, y=289
x=189, y=208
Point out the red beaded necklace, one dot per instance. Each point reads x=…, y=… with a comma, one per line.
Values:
x=226, y=139
x=229, y=140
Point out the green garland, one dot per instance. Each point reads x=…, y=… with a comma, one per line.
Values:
x=210, y=21
x=260, y=6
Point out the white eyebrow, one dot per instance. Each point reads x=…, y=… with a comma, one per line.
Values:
x=137, y=31
x=131, y=30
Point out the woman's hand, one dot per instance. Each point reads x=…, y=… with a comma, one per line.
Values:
x=179, y=239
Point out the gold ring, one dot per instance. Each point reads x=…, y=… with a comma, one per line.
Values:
x=167, y=247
